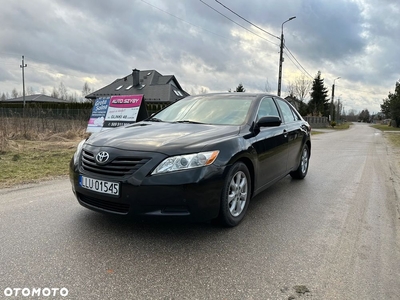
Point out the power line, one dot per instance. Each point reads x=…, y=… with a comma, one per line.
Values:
x=247, y=20
x=298, y=61
x=180, y=19
x=237, y=23
x=295, y=64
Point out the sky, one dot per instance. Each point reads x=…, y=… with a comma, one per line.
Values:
x=208, y=45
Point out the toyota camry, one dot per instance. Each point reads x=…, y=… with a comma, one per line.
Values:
x=203, y=157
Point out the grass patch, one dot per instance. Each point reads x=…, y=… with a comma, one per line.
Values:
x=342, y=126
x=382, y=127
x=392, y=135
x=35, y=148
x=313, y=132
x=394, y=139
x=30, y=161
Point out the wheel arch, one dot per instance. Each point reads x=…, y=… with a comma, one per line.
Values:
x=308, y=143
x=249, y=164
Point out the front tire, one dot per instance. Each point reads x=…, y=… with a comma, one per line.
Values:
x=302, y=170
x=235, y=195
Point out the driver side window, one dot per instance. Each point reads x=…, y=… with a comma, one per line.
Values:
x=288, y=114
x=267, y=108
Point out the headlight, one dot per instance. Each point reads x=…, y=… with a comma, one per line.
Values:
x=184, y=162
x=78, y=151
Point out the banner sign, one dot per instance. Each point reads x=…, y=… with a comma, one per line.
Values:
x=98, y=115
x=114, y=111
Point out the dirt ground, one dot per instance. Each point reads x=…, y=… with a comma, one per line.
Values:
x=393, y=151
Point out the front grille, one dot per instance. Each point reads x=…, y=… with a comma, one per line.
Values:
x=119, y=166
x=121, y=208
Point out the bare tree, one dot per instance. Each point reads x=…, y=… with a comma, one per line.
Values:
x=63, y=91
x=291, y=89
x=203, y=90
x=14, y=93
x=30, y=91
x=86, y=90
x=302, y=87
x=73, y=97
x=267, y=86
x=199, y=91
x=43, y=91
x=55, y=93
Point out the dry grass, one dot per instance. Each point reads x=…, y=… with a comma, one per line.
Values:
x=384, y=127
x=34, y=149
x=14, y=128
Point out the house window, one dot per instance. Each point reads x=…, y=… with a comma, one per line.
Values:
x=118, y=88
x=178, y=93
x=128, y=87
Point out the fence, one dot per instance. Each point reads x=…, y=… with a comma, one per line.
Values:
x=45, y=113
x=31, y=123
x=317, y=122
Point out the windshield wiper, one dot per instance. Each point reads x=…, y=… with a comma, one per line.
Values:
x=154, y=120
x=189, y=122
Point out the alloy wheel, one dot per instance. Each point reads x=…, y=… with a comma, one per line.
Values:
x=237, y=195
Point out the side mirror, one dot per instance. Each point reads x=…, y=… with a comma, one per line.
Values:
x=271, y=121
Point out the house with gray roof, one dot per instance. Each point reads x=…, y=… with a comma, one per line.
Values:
x=294, y=101
x=155, y=88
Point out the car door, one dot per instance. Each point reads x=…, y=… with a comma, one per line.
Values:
x=294, y=133
x=271, y=145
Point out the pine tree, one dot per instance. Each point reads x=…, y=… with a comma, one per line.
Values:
x=391, y=105
x=319, y=102
x=240, y=88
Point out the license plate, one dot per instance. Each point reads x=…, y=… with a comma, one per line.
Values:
x=100, y=186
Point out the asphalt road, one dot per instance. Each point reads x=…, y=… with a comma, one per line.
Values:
x=334, y=235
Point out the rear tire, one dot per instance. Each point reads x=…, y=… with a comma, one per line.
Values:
x=302, y=170
x=235, y=195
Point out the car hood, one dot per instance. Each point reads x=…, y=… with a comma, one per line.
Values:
x=168, y=138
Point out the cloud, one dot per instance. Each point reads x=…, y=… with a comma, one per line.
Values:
x=70, y=41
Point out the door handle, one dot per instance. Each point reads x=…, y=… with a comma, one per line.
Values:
x=285, y=134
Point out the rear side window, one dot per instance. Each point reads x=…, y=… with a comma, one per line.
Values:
x=267, y=108
x=288, y=114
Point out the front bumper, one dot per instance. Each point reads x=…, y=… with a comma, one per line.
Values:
x=191, y=194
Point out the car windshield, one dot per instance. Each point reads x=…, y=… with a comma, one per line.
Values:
x=216, y=110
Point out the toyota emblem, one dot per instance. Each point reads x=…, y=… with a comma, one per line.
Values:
x=102, y=157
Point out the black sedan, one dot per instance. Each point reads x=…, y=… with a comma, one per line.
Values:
x=201, y=158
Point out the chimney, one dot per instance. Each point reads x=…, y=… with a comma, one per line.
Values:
x=135, y=77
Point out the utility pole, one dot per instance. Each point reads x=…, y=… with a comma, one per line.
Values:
x=23, y=66
x=333, y=97
x=281, y=58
